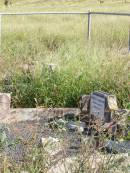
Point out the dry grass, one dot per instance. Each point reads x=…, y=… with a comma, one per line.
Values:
x=56, y=156
x=81, y=66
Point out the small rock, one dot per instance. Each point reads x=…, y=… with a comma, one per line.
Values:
x=117, y=147
x=75, y=126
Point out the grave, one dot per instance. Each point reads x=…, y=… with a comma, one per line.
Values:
x=21, y=125
x=98, y=105
x=102, y=105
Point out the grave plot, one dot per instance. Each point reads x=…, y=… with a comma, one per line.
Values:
x=24, y=129
x=66, y=133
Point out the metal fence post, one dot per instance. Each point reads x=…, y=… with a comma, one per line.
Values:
x=0, y=33
x=89, y=25
x=129, y=39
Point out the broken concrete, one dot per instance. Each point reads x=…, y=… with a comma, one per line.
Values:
x=31, y=114
x=5, y=100
x=28, y=126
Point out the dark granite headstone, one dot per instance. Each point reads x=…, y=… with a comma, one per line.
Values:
x=102, y=104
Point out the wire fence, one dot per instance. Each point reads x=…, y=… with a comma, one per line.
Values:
x=89, y=14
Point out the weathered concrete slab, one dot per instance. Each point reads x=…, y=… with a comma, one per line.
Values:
x=5, y=100
x=31, y=114
x=23, y=127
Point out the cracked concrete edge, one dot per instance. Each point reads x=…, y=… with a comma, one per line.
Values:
x=31, y=114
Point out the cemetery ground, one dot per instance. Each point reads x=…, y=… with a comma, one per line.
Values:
x=53, y=140
x=43, y=140
x=47, y=61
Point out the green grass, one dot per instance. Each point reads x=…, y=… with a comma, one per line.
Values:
x=81, y=66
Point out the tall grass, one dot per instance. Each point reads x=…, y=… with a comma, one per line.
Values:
x=29, y=44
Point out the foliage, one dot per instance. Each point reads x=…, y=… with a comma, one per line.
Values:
x=81, y=66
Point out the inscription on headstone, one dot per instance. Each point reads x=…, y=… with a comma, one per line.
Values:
x=102, y=105
x=97, y=106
